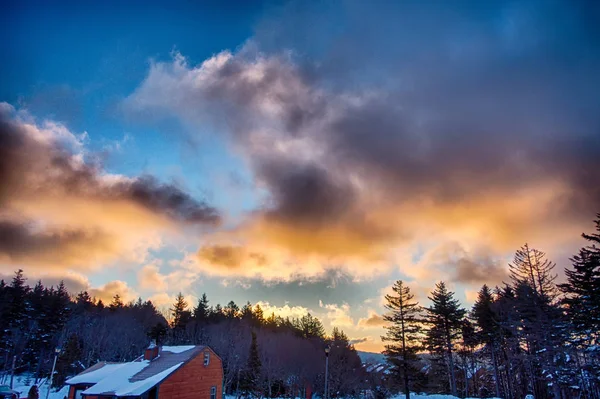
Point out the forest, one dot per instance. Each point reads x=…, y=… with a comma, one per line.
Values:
x=530, y=335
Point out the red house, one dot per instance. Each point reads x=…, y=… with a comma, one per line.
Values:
x=168, y=372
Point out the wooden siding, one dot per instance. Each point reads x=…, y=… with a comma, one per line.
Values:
x=82, y=387
x=194, y=380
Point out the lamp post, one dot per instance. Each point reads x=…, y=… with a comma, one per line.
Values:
x=56, y=352
x=327, y=349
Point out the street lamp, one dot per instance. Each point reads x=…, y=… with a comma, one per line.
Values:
x=327, y=349
x=56, y=352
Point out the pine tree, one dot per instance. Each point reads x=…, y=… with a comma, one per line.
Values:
x=116, y=304
x=310, y=327
x=445, y=317
x=404, y=332
x=68, y=360
x=201, y=311
x=582, y=290
x=582, y=304
x=488, y=329
x=250, y=380
x=258, y=315
x=246, y=313
x=531, y=267
x=181, y=317
x=232, y=310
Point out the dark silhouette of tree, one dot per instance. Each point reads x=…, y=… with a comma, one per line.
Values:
x=404, y=333
x=250, y=381
x=445, y=317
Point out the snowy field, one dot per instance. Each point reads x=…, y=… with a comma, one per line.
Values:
x=22, y=384
x=400, y=396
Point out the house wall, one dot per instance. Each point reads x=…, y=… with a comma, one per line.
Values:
x=193, y=380
x=72, y=389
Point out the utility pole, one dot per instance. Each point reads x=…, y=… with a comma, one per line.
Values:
x=12, y=371
x=327, y=349
x=56, y=352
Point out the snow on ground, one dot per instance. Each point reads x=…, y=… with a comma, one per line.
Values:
x=22, y=384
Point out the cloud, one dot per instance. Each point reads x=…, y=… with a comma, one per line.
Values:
x=284, y=311
x=108, y=291
x=228, y=256
x=149, y=278
x=373, y=320
x=74, y=282
x=23, y=241
x=338, y=315
x=458, y=131
x=60, y=209
x=355, y=341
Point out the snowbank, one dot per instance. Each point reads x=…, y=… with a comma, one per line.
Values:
x=20, y=385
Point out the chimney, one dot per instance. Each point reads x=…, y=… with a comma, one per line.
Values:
x=151, y=352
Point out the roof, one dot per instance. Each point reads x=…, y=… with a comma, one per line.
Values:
x=135, y=378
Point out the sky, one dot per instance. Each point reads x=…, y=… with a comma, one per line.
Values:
x=300, y=155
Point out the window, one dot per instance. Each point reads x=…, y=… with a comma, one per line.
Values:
x=206, y=358
x=213, y=393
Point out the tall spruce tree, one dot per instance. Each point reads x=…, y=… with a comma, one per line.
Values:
x=582, y=305
x=582, y=290
x=539, y=320
x=404, y=333
x=201, y=311
x=181, y=317
x=445, y=318
x=250, y=379
x=488, y=330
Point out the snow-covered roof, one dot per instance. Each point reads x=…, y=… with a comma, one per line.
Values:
x=134, y=378
x=96, y=373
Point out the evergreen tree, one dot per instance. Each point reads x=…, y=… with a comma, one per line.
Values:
x=116, y=304
x=258, y=315
x=246, y=313
x=158, y=332
x=250, y=379
x=232, y=310
x=310, y=327
x=488, y=329
x=201, y=311
x=530, y=266
x=181, y=317
x=582, y=305
x=582, y=290
x=83, y=301
x=445, y=317
x=68, y=363
x=404, y=333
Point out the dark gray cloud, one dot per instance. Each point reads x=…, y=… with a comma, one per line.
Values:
x=21, y=241
x=73, y=283
x=478, y=271
x=230, y=256
x=358, y=340
x=37, y=167
x=374, y=320
x=348, y=111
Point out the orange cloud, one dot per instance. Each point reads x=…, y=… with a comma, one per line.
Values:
x=61, y=210
x=373, y=320
x=352, y=178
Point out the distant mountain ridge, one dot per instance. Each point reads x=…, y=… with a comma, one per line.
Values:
x=371, y=357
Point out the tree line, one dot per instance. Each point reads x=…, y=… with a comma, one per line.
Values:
x=529, y=336
x=263, y=355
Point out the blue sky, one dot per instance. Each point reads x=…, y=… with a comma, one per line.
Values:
x=304, y=155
